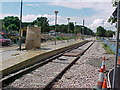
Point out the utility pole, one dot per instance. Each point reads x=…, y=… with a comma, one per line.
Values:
x=68, y=28
x=75, y=29
x=56, y=12
x=75, y=26
x=117, y=42
x=20, y=26
x=83, y=29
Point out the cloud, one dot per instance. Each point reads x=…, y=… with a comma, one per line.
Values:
x=101, y=22
x=63, y=20
x=79, y=4
x=96, y=23
x=100, y=7
x=32, y=4
x=57, y=0
x=103, y=9
x=4, y=15
x=32, y=17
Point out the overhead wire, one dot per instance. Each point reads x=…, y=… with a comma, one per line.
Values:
x=37, y=10
x=84, y=9
x=34, y=8
x=45, y=12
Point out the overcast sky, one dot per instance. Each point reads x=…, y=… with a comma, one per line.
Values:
x=95, y=12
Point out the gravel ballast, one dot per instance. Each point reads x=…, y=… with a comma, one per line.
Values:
x=41, y=76
x=84, y=74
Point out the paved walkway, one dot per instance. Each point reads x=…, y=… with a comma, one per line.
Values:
x=12, y=51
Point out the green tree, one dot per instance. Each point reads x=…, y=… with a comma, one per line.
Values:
x=11, y=23
x=43, y=22
x=59, y=28
x=71, y=24
x=12, y=27
x=52, y=27
x=63, y=28
x=112, y=19
x=109, y=33
x=26, y=24
x=78, y=29
x=101, y=31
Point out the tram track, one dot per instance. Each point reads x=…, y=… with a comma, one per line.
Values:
x=50, y=84
x=7, y=80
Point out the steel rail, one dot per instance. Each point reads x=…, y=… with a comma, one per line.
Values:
x=10, y=78
x=59, y=75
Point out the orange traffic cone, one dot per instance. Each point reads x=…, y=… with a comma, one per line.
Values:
x=100, y=79
x=104, y=86
x=103, y=64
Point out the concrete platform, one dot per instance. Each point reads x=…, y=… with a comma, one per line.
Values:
x=28, y=58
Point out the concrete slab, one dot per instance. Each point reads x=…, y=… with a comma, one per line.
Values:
x=71, y=54
x=74, y=53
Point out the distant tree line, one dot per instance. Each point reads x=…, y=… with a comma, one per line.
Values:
x=11, y=23
x=104, y=33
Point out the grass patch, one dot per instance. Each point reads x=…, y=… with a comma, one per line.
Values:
x=98, y=39
x=107, y=49
x=65, y=38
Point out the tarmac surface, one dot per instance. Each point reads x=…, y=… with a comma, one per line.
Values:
x=7, y=52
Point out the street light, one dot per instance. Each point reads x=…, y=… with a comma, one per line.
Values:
x=56, y=12
x=68, y=27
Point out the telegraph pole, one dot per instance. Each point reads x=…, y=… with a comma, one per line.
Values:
x=56, y=12
x=117, y=43
x=75, y=29
x=20, y=25
x=68, y=28
x=83, y=28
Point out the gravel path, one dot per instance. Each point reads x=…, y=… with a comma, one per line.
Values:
x=84, y=74
x=41, y=76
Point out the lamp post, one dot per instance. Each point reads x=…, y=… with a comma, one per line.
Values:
x=20, y=25
x=75, y=29
x=56, y=12
x=68, y=27
x=83, y=29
